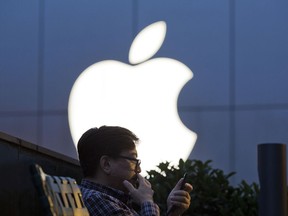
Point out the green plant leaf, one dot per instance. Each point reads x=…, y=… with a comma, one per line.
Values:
x=212, y=194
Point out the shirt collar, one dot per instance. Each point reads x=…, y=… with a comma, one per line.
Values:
x=106, y=190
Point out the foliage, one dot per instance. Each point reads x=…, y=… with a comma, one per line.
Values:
x=212, y=195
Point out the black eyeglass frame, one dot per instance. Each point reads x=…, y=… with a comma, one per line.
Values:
x=138, y=161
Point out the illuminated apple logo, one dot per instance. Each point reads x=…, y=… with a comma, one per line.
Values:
x=141, y=97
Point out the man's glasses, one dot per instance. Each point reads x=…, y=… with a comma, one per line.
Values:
x=138, y=161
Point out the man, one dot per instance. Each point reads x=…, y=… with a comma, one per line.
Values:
x=112, y=184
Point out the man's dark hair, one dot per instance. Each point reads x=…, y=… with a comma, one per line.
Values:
x=106, y=140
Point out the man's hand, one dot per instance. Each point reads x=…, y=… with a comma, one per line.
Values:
x=143, y=193
x=178, y=200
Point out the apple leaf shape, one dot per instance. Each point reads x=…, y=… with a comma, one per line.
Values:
x=147, y=42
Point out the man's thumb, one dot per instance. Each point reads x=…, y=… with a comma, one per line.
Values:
x=179, y=183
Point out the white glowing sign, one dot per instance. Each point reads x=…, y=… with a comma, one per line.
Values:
x=141, y=97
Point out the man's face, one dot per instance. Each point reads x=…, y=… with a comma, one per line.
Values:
x=125, y=167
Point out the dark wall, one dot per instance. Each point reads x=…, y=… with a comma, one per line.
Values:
x=17, y=192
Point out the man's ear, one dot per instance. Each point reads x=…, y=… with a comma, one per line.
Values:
x=105, y=164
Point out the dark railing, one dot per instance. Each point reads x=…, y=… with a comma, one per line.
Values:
x=17, y=192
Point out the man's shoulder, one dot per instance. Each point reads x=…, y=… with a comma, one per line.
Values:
x=89, y=192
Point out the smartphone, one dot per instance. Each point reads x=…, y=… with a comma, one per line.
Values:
x=184, y=181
